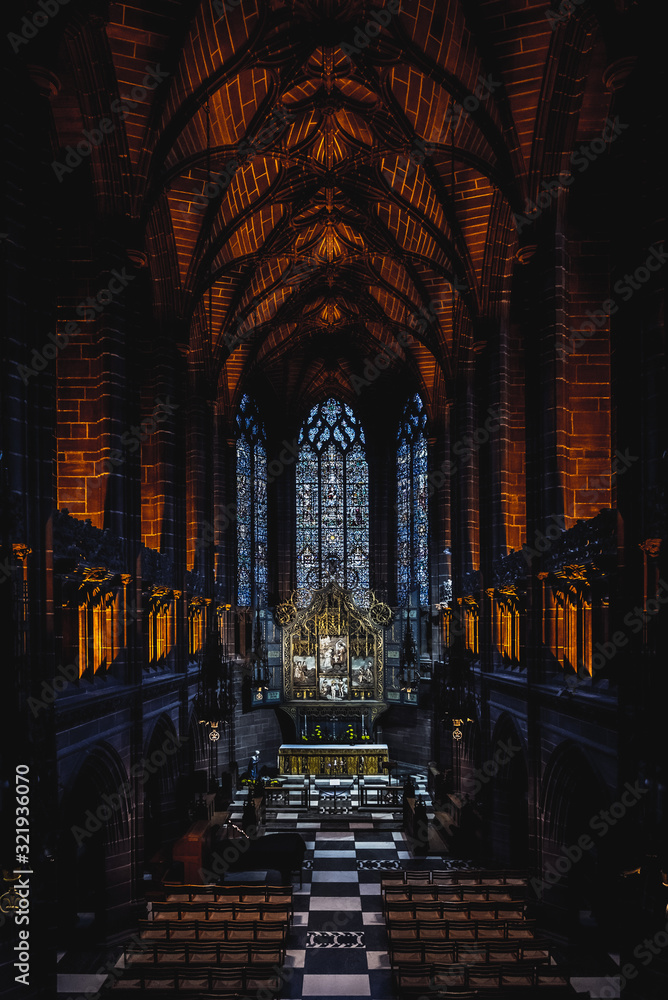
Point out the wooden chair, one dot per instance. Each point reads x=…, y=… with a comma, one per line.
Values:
x=412, y=977
x=400, y=895
x=400, y=910
x=503, y=951
x=205, y=953
x=445, y=976
x=271, y=930
x=247, y=911
x=520, y=928
x=428, y=911
x=433, y=930
x=440, y=951
x=222, y=911
x=240, y=930
x=420, y=892
x=276, y=911
x=182, y=930
x=393, y=879
x=472, y=952
x=212, y=930
x=490, y=929
x=418, y=878
x=535, y=950
x=400, y=931
x=266, y=953
x=462, y=930
x=442, y=878
x=228, y=977
x=406, y=953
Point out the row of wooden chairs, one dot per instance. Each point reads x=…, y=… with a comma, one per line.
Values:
x=166, y=992
x=553, y=992
x=433, y=910
x=453, y=893
x=460, y=930
x=470, y=952
x=478, y=976
x=224, y=979
x=482, y=877
x=213, y=930
x=235, y=893
x=221, y=911
x=205, y=953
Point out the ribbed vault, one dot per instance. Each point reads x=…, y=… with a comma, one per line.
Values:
x=315, y=177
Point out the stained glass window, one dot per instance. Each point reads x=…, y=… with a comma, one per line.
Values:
x=251, y=507
x=412, y=527
x=332, y=502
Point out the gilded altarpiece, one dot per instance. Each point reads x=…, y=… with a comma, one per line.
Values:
x=333, y=669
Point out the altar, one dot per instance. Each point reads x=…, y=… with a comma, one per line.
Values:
x=332, y=758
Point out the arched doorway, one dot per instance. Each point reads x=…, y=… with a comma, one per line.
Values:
x=95, y=869
x=577, y=860
x=161, y=819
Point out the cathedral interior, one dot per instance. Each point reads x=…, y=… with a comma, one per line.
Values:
x=333, y=489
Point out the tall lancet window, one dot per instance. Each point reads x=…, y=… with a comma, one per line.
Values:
x=332, y=502
x=412, y=534
x=251, y=507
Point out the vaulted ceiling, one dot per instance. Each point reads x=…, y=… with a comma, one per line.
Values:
x=312, y=184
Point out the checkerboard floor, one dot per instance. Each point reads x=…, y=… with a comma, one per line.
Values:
x=339, y=910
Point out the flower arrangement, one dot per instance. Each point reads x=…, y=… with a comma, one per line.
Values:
x=350, y=733
x=365, y=737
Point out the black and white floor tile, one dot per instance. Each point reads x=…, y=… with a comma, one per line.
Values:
x=339, y=909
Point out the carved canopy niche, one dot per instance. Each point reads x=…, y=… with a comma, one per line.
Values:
x=333, y=653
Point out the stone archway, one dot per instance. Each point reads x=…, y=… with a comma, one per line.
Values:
x=95, y=872
x=161, y=821
x=577, y=851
